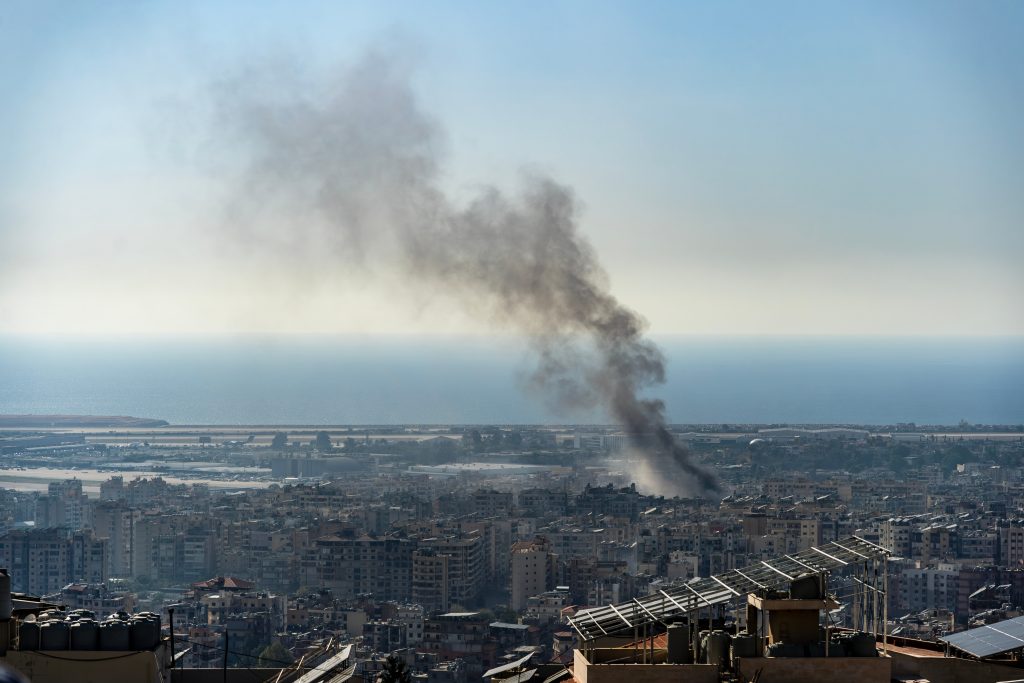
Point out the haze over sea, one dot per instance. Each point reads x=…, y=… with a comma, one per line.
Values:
x=422, y=380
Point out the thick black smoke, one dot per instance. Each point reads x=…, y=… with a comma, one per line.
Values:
x=353, y=166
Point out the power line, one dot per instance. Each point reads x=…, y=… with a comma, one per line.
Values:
x=98, y=659
x=244, y=654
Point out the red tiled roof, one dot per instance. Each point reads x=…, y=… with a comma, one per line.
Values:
x=660, y=643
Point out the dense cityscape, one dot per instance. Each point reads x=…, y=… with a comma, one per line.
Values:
x=511, y=342
x=462, y=548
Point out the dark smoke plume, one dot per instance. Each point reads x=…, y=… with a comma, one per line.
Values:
x=353, y=167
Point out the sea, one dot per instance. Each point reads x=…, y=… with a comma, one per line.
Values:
x=318, y=380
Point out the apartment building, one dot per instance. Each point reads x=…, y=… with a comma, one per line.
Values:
x=352, y=566
x=115, y=521
x=43, y=561
x=1011, y=543
x=534, y=571
x=465, y=567
x=175, y=547
x=430, y=580
x=64, y=505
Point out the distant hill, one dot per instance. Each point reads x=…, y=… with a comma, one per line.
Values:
x=35, y=421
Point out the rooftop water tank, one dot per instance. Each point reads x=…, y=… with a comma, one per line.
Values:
x=718, y=648
x=744, y=645
x=805, y=588
x=861, y=645
x=84, y=635
x=115, y=635
x=144, y=632
x=6, y=606
x=53, y=635
x=28, y=635
x=678, y=637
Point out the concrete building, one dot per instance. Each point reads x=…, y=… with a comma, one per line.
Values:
x=64, y=505
x=95, y=597
x=929, y=588
x=411, y=617
x=113, y=489
x=534, y=570
x=490, y=503
x=461, y=635
x=352, y=566
x=174, y=547
x=430, y=580
x=43, y=561
x=895, y=536
x=115, y=521
x=465, y=567
x=225, y=605
x=1011, y=544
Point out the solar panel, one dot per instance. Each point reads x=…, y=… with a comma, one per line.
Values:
x=508, y=667
x=325, y=667
x=521, y=677
x=775, y=573
x=986, y=641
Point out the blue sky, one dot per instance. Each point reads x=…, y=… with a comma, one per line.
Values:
x=745, y=168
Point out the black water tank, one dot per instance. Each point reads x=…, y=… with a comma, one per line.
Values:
x=114, y=635
x=678, y=636
x=861, y=645
x=28, y=635
x=53, y=635
x=84, y=635
x=144, y=632
x=744, y=646
x=806, y=588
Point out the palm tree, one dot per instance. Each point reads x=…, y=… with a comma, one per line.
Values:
x=394, y=671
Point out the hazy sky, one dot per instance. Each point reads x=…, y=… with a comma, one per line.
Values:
x=761, y=168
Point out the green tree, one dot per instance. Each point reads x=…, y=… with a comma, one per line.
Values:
x=394, y=671
x=280, y=441
x=274, y=655
x=509, y=616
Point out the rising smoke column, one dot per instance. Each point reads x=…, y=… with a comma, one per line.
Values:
x=352, y=167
